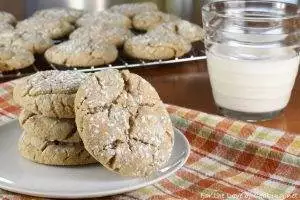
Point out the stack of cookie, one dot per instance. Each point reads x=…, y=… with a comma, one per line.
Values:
x=50, y=135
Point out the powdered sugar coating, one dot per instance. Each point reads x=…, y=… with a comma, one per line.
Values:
x=123, y=123
x=49, y=93
x=82, y=53
x=5, y=27
x=67, y=14
x=157, y=45
x=132, y=9
x=104, y=18
x=6, y=17
x=150, y=19
x=110, y=34
x=191, y=32
x=32, y=41
x=12, y=58
x=53, y=28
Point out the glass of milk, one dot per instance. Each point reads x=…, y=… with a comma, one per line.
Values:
x=252, y=50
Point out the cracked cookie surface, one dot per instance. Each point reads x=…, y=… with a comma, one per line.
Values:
x=53, y=152
x=189, y=31
x=157, y=45
x=32, y=41
x=53, y=28
x=48, y=128
x=12, y=58
x=147, y=20
x=6, y=17
x=82, y=53
x=67, y=14
x=132, y=9
x=49, y=93
x=123, y=123
x=113, y=35
x=104, y=18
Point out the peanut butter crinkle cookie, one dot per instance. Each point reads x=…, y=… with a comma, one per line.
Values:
x=6, y=17
x=82, y=53
x=13, y=58
x=53, y=152
x=191, y=32
x=53, y=28
x=32, y=41
x=48, y=128
x=104, y=18
x=123, y=123
x=145, y=21
x=67, y=14
x=113, y=35
x=157, y=45
x=132, y=9
x=5, y=27
x=49, y=93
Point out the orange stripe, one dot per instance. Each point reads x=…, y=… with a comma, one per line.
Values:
x=247, y=130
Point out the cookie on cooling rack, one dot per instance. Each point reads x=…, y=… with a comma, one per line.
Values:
x=30, y=40
x=110, y=34
x=121, y=119
x=13, y=58
x=6, y=17
x=53, y=152
x=132, y=9
x=191, y=32
x=53, y=28
x=157, y=45
x=49, y=93
x=82, y=53
x=67, y=14
x=104, y=18
x=146, y=20
x=48, y=128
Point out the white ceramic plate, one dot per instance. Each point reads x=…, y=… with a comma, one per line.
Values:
x=22, y=176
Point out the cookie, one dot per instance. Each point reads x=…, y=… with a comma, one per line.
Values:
x=53, y=29
x=104, y=18
x=5, y=27
x=156, y=46
x=6, y=17
x=191, y=32
x=132, y=9
x=13, y=58
x=67, y=14
x=121, y=119
x=53, y=152
x=49, y=93
x=32, y=41
x=48, y=128
x=113, y=35
x=82, y=53
x=145, y=21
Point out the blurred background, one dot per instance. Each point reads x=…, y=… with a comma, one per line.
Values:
x=187, y=9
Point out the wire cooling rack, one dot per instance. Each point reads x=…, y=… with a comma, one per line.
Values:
x=122, y=62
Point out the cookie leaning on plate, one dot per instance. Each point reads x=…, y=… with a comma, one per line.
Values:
x=48, y=128
x=49, y=93
x=123, y=123
x=13, y=58
x=82, y=53
x=53, y=152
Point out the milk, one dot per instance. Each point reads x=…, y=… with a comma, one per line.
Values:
x=252, y=81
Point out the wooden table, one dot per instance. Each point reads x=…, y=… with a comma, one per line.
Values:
x=188, y=85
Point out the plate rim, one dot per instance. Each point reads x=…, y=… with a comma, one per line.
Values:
x=101, y=193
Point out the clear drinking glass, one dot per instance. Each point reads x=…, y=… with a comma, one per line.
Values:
x=252, y=50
